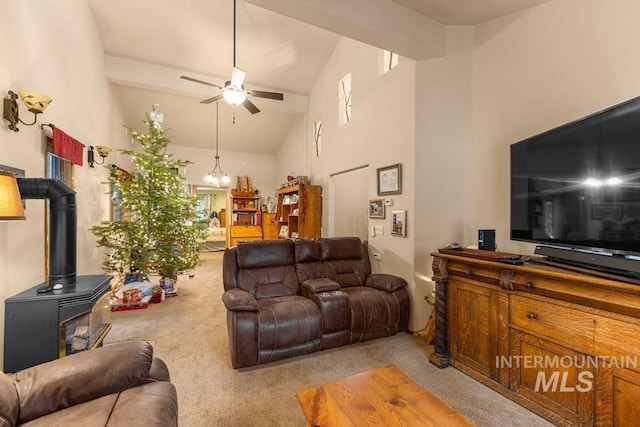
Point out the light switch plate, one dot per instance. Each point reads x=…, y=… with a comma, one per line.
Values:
x=388, y=202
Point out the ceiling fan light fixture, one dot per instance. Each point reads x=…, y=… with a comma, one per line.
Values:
x=233, y=95
x=233, y=91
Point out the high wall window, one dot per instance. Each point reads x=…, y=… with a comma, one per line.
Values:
x=317, y=137
x=389, y=60
x=117, y=212
x=344, y=100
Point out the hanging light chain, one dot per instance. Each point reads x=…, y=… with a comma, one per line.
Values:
x=217, y=175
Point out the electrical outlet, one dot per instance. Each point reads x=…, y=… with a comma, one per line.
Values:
x=378, y=256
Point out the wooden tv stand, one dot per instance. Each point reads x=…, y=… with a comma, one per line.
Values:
x=561, y=343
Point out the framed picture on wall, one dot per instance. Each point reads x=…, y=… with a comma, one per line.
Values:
x=399, y=223
x=610, y=211
x=390, y=180
x=376, y=209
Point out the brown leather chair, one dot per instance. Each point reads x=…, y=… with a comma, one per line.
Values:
x=116, y=385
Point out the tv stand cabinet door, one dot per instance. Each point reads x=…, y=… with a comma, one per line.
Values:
x=617, y=396
x=565, y=389
x=618, y=389
x=473, y=325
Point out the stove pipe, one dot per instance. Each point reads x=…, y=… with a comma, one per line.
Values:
x=62, y=227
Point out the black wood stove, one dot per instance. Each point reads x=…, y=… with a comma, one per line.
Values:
x=67, y=313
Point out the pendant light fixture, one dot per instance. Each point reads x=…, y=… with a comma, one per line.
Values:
x=217, y=176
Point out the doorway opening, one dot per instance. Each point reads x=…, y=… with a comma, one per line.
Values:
x=212, y=210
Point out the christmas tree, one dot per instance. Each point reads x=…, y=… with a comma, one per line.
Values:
x=156, y=234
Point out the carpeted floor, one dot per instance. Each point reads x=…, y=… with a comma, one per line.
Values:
x=189, y=333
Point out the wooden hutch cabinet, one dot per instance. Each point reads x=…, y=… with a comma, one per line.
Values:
x=245, y=219
x=563, y=343
x=269, y=226
x=300, y=211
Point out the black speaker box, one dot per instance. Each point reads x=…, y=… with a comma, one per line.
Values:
x=487, y=240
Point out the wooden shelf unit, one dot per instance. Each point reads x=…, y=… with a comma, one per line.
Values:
x=245, y=219
x=300, y=211
x=495, y=322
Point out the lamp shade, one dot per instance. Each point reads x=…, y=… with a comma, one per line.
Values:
x=10, y=201
x=36, y=102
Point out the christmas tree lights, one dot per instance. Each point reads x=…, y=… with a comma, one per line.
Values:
x=157, y=232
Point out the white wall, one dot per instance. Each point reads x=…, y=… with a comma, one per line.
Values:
x=536, y=70
x=53, y=48
x=380, y=133
x=444, y=142
x=293, y=154
x=349, y=214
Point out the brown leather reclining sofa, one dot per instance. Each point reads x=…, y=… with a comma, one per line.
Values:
x=287, y=298
x=116, y=385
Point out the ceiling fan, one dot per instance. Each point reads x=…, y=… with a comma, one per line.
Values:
x=233, y=91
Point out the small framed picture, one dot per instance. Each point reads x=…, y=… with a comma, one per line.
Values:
x=376, y=208
x=399, y=223
x=284, y=231
x=390, y=180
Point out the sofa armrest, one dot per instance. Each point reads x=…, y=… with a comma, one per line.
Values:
x=158, y=371
x=315, y=286
x=81, y=377
x=385, y=282
x=239, y=300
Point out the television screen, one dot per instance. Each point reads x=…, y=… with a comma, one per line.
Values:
x=578, y=185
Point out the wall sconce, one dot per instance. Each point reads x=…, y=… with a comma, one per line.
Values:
x=102, y=151
x=35, y=102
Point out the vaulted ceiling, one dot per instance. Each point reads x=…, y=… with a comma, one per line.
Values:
x=282, y=45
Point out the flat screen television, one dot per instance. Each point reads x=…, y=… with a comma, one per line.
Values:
x=575, y=190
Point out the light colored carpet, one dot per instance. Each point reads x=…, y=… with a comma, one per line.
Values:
x=190, y=334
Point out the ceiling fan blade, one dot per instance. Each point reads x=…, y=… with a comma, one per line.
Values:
x=250, y=106
x=200, y=81
x=268, y=95
x=210, y=100
x=237, y=77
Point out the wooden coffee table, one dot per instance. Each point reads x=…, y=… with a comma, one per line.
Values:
x=384, y=396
